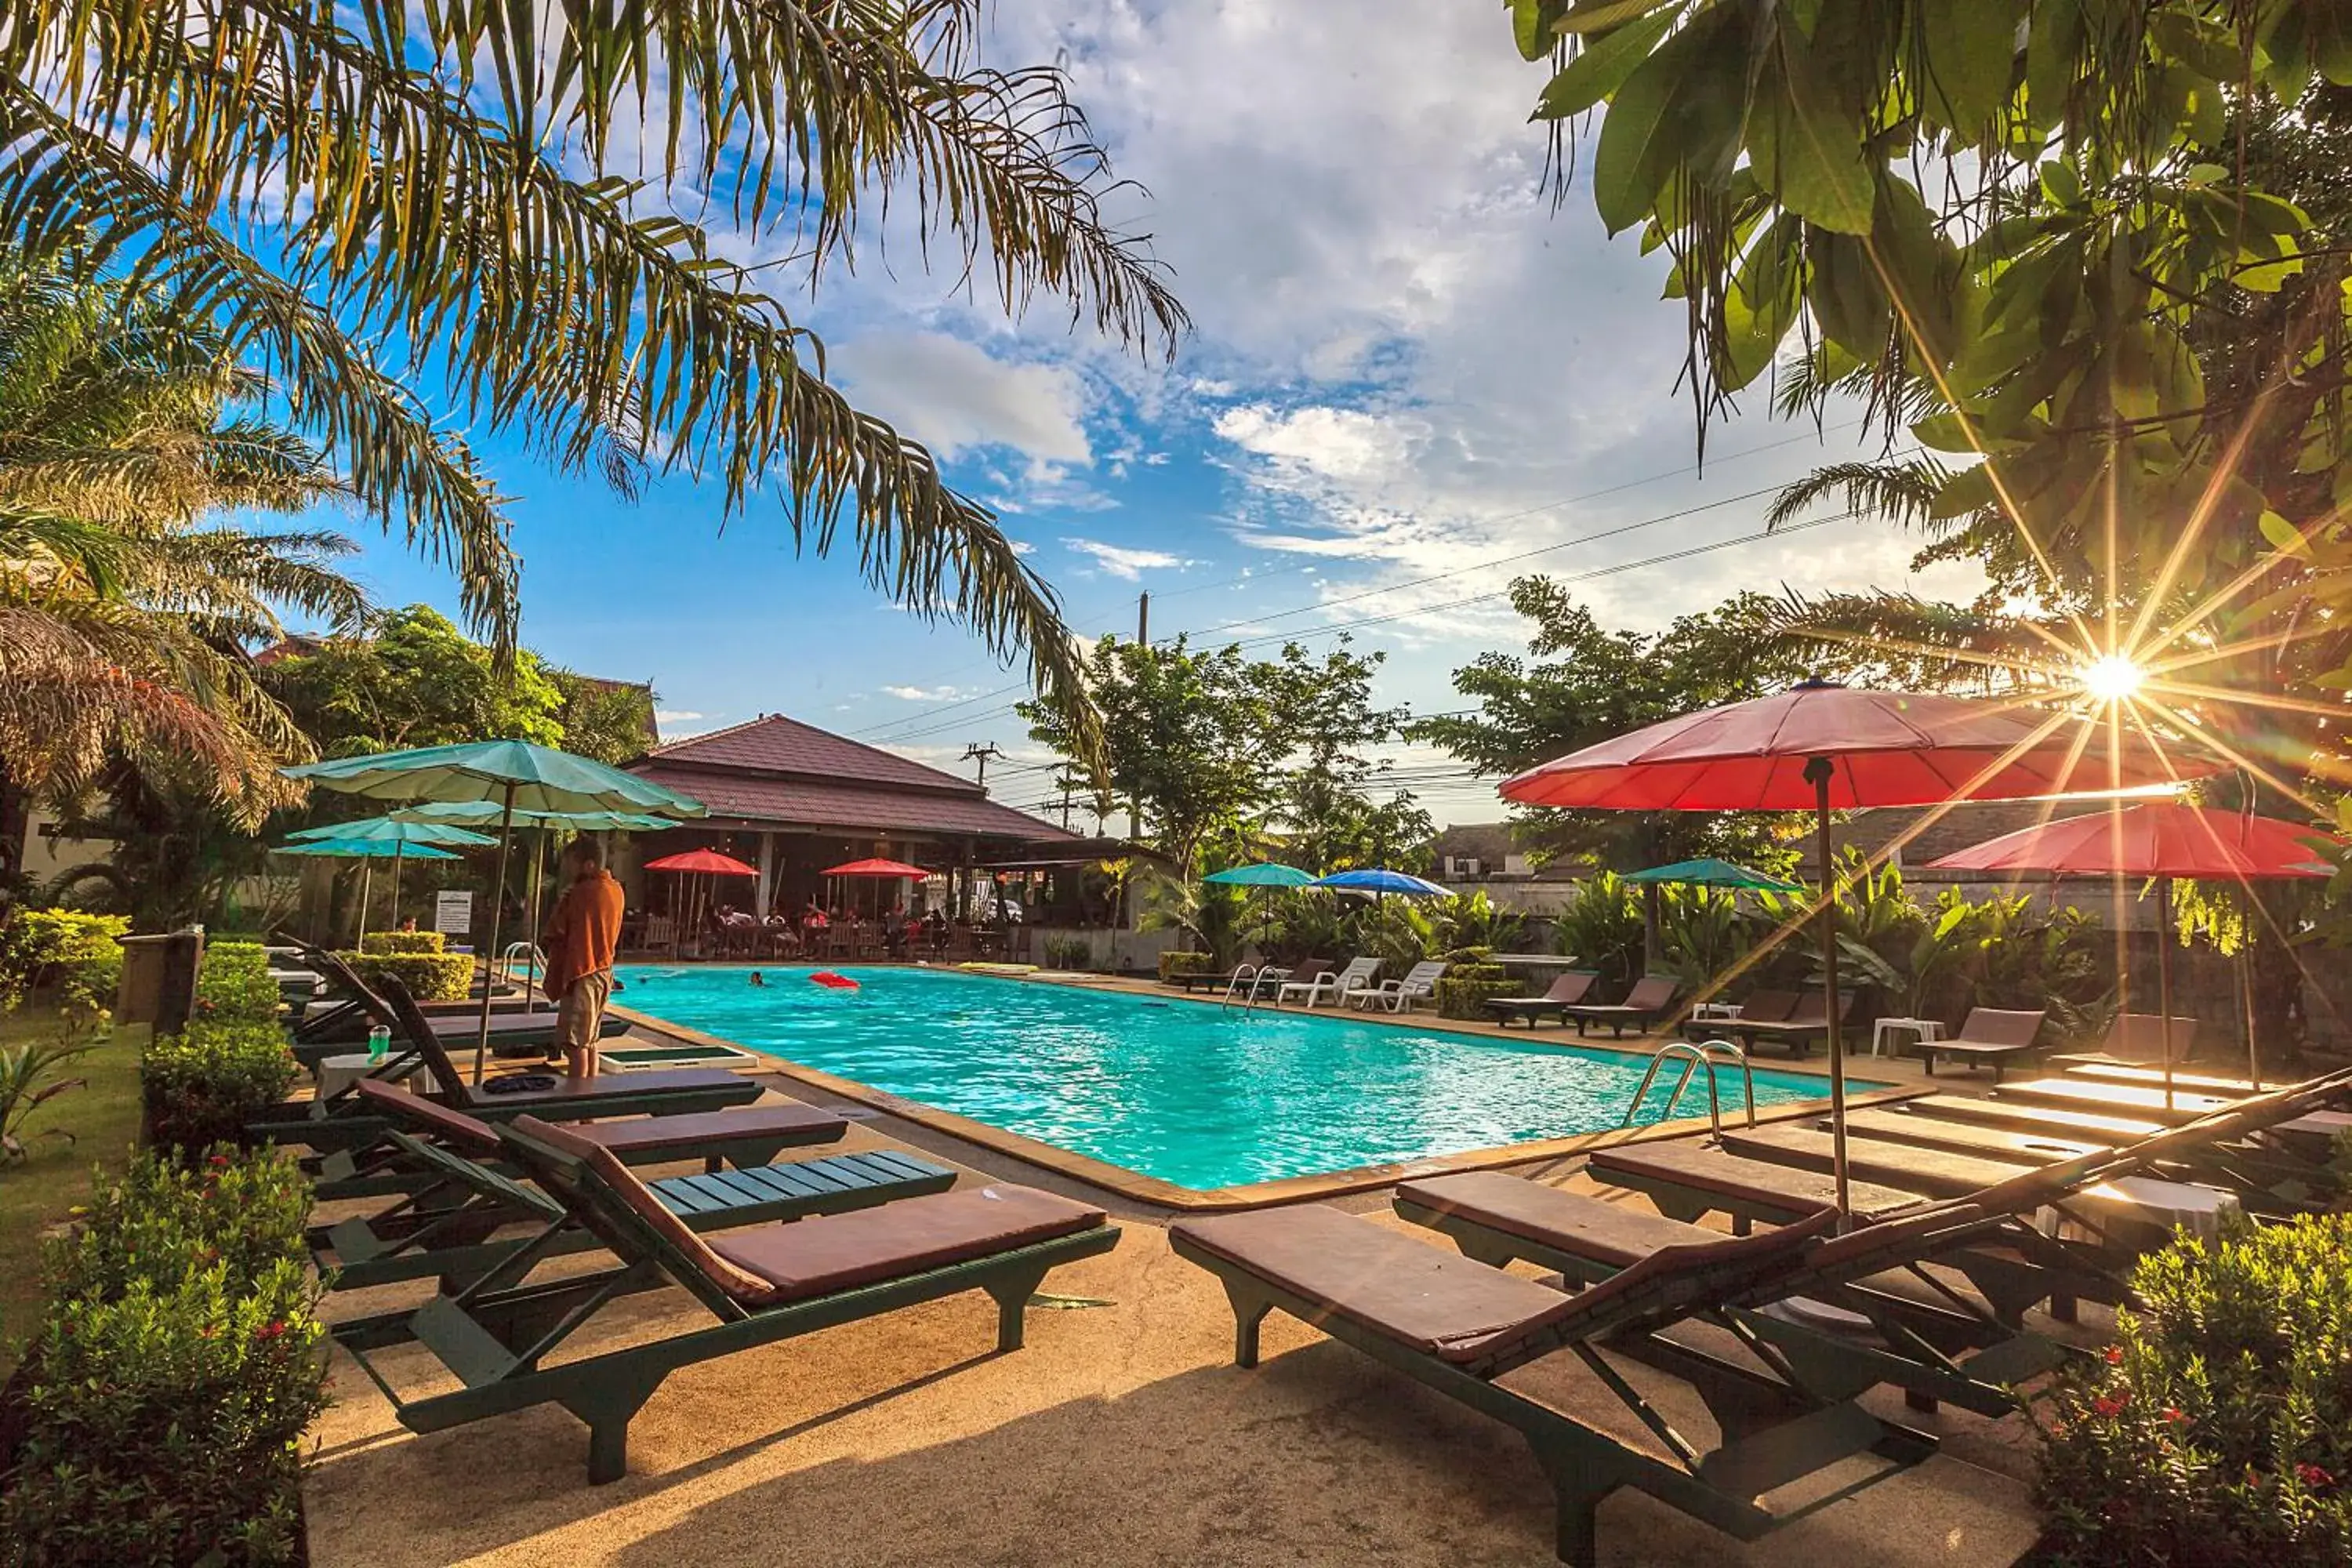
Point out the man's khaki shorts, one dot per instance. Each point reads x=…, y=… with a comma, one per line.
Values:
x=580, y=1016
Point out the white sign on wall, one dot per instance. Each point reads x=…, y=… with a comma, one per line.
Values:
x=453, y=912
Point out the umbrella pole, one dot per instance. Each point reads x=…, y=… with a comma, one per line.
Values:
x=1818, y=773
x=538, y=859
x=396, y=848
x=367, y=871
x=2246, y=986
x=490, y=960
x=2163, y=979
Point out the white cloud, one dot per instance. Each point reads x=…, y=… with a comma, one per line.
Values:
x=1127, y=565
x=952, y=397
x=676, y=716
x=923, y=693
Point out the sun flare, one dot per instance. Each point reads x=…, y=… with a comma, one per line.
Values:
x=2112, y=677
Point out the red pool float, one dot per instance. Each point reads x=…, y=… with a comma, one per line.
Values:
x=828, y=979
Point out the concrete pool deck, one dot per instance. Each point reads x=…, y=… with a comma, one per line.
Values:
x=1121, y=1436
x=1903, y=1077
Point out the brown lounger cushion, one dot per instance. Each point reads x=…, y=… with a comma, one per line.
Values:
x=839, y=1252
x=1997, y=1027
x=454, y=1128
x=570, y=1090
x=688, y=1135
x=1615, y=1234
x=1753, y=1183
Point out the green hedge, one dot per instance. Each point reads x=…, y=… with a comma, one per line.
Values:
x=1464, y=991
x=202, y=1085
x=65, y=952
x=1172, y=964
x=2218, y=1428
x=396, y=943
x=177, y=1367
x=235, y=983
x=429, y=976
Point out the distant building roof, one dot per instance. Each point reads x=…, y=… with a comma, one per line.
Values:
x=1490, y=842
x=778, y=770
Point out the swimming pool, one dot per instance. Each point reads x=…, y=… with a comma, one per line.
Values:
x=1187, y=1092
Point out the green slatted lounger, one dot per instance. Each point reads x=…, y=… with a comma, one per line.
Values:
x=1457, y=1326
x=762, y=1284
x=344, y=1124
x=452, y=1229
x=335, y=1033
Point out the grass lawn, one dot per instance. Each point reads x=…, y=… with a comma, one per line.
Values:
x=35, y=1193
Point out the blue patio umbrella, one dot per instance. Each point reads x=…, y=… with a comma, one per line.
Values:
x=329, y=843
x=1379, y=879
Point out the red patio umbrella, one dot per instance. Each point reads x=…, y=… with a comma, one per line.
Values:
x=2158, y=839
x=877, y=868
x=1821, y=747
x=709, y=863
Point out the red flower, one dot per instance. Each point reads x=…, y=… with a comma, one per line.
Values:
x=2313, y=1476
x=2174, y=1416
x=270, y=1329
x=218, y=1162
x=2106, y=1406
x=2114, y=1355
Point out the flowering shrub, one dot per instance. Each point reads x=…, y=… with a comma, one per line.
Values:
x=2218, y=1429
x=176, y=1368
x=202, y=1085
x=235, y=983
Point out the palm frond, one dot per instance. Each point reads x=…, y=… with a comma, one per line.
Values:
x=1902, y=491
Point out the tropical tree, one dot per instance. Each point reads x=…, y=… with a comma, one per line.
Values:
x=578, y=223
x=2075, y=252
x=123, y=607
x=1321, y=795
x=1583, y=683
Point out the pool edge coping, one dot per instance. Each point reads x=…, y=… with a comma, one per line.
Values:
x=1138, y=1187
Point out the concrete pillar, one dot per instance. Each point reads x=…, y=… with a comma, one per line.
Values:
x=767, y=872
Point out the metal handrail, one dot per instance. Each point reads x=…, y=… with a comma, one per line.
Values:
x=1694, y=1056
x=1248, y=999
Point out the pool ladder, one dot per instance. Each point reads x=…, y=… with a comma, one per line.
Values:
x=525, y=956
x=1234, y=991
x=1694, y=1056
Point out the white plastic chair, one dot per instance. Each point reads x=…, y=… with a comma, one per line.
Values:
x=1356, y=977
x=1396, y=995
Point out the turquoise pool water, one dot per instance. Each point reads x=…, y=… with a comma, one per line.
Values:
x=1185, y=1092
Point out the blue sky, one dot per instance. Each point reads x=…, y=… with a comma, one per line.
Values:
x=1405, y=369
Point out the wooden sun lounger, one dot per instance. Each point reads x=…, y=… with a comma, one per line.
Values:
x=1456, y=1325
x=1567, y=990
x=762, y=1284
x=1989, y=1036
x=1687, y=1181
x=1895, y=1125
x=462, y=1223
x=2058, y=1121
x=1936, y=1173
x=1650, y=1002
x=1808, y=1021
x=339, y=1122
x=743, y=1135
x=2144, y=1104
x=2100, y=1070
x=1934, y=1344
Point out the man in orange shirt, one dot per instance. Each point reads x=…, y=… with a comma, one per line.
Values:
x=580, y=939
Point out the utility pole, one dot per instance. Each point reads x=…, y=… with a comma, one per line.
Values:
x=1143, y=642
x=1067, y=781
x=982, y=751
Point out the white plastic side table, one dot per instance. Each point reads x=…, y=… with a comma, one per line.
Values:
x=1926, y=1031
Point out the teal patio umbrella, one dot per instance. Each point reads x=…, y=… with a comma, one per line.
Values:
x=1261, y=874
x=519, y=776
x=485, y=812
x=1703, y=872
x=369, y=850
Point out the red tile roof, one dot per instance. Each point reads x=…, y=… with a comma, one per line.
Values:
x=774, y=745
x=842, y=802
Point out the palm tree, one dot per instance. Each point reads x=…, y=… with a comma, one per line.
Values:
x=123, y=610
x=511, y=203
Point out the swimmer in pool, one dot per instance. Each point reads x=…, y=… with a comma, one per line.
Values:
x=759, y=979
